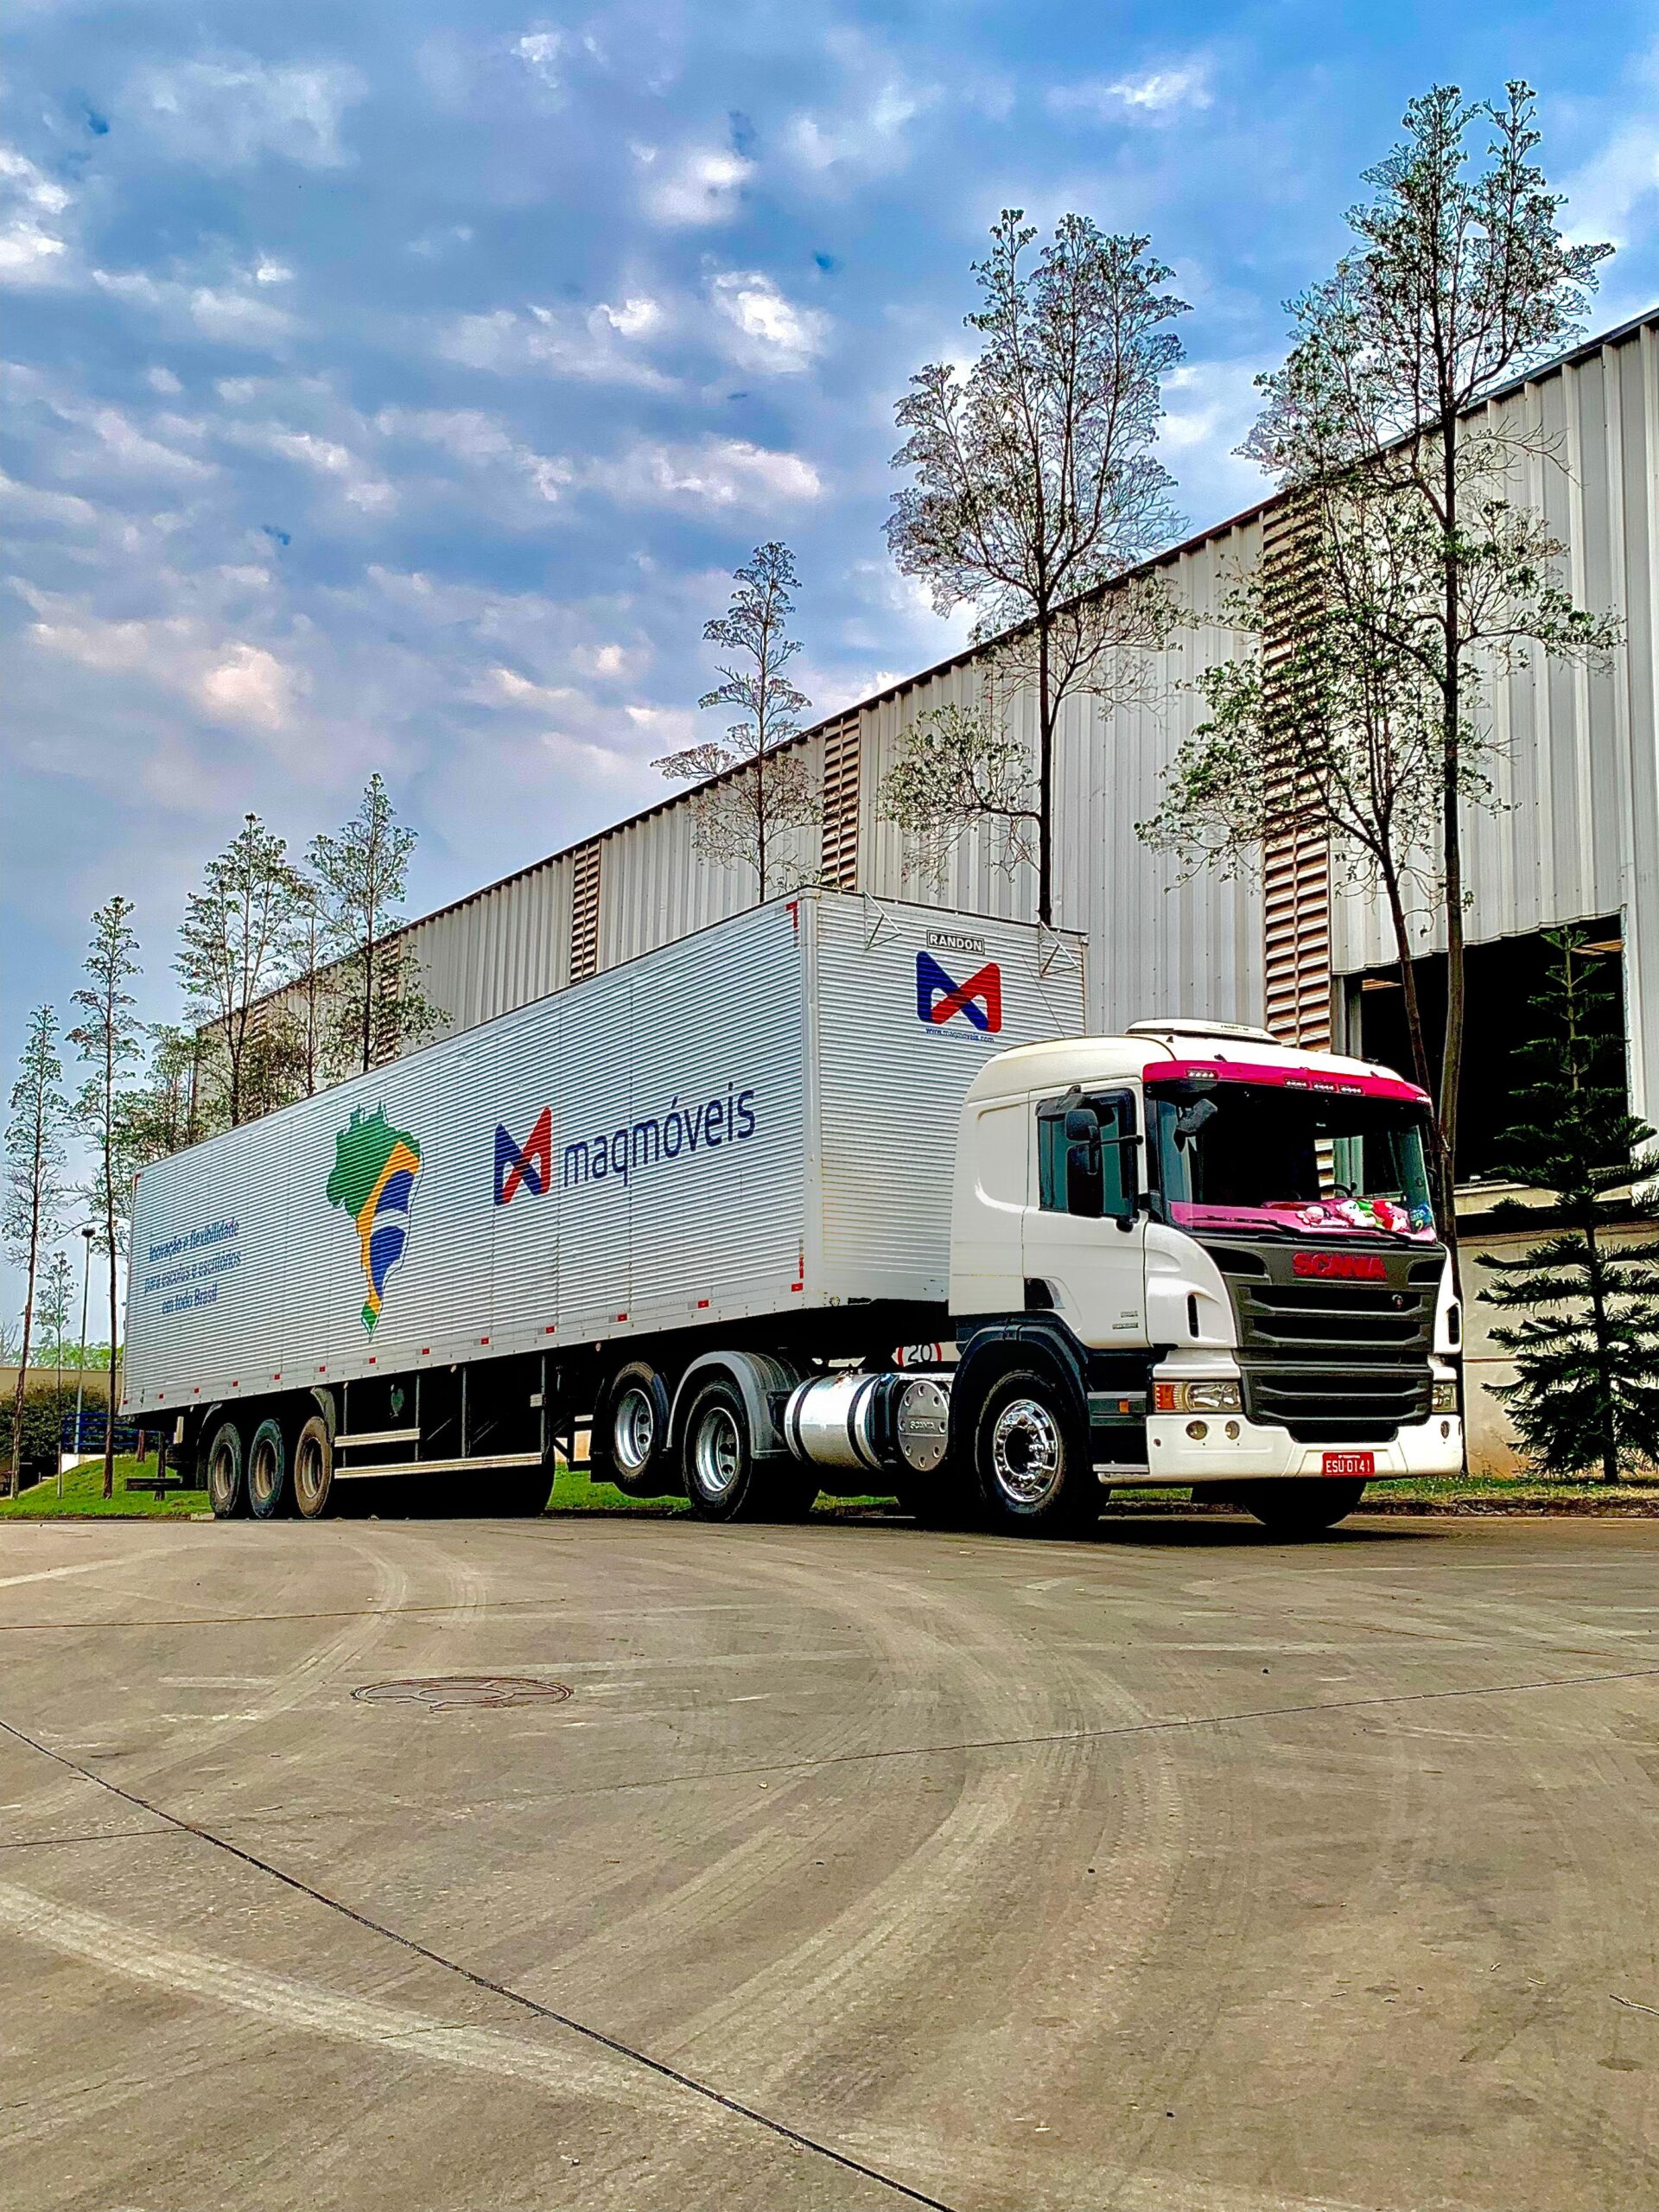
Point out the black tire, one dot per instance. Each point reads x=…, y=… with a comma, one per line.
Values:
x=722, y=1481
x=270, y=1470
x=1031, y=1459
x=312, y=1471
x=1301, y=1508
x=627, y=1445
x=224, y=1472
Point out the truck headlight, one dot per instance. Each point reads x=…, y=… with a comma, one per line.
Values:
x=1444, y=1398
x=1218, y=1397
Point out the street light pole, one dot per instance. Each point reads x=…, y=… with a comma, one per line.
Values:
x=88, y=1236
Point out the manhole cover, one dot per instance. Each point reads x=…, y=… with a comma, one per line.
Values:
x=443, y=1693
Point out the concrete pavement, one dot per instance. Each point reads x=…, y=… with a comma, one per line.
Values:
x=1177, y=1871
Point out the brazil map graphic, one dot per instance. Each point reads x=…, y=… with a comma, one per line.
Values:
x=376, y=1169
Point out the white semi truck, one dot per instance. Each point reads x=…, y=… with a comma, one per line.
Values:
x=831, y=1196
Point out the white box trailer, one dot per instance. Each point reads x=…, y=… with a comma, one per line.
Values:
x=832, y=1195
x=749, y=1127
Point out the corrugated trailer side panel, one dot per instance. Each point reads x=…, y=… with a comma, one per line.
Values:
x=629, y=1154
x=912, y=1002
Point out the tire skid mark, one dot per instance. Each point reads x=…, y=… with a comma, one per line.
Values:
x=310, y=2008
x=320, y=1663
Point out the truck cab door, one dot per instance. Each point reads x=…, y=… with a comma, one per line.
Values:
x=1086, y=1238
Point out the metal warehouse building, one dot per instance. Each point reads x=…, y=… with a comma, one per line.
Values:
x=1574, y=836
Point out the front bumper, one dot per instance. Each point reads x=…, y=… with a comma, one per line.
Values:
x=1261, y=1451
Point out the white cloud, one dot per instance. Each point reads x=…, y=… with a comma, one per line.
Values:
x=601, y=345
x=1604, y=193
x=695, y=185
x=226, y=114
x=249, y=685
x=1209, y=408
x=162, y=380
x=325, y=457
x=225, y=313
x=1158, y=95
x=772, y=331
x=235, y=318
x=719, y=472
x=273, y=272
x=437, y=241
x=33, y=249
x=539, y=51
x=505, y=687
x=230, y=679
x=479, y=441
x=867, y=133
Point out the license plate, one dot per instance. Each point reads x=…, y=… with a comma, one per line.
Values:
x=1353, y=1464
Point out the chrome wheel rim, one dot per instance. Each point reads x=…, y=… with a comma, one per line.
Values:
x=1026, y=1453
x=719, y=1453
x=633, y=1435
x=310, y=1483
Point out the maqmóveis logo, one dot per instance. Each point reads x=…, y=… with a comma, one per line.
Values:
x=528, y=1168
x=939, y=997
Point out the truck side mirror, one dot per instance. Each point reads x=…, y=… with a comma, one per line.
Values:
x=1082, y=1125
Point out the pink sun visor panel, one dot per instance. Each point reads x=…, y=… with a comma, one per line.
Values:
x=1324, y=1082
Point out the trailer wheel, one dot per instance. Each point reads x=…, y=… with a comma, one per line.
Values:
x=1032, y=1459
x=226, y=1491
x=629, y=1445
x=719, y=1462
x=313, y=1469
x=269, y=1490
x=1301, y=1508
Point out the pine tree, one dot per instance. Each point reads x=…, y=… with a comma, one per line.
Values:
x=1587, y=1388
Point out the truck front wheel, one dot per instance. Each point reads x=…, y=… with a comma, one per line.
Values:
x=1301, y=1508
x=1032, y=1459
x=226, y=1490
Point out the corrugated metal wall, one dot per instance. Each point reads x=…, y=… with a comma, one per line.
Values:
x=1576, y=834
x=1574, y=831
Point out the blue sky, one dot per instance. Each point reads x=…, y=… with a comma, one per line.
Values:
x=396, y=387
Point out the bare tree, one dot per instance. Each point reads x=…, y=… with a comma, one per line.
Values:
x=957, y=766
x=168, y=1110
x=1329, y=727
x=751, y=791
x=312, y=991
x=107, y=1037
x=53, y=1307
x=1037, y=487
x=235, y=945
x=362, y=875
x=1460, y=279
x=35, y=1185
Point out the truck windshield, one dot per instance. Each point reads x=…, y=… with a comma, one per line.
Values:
x=1290, y=1159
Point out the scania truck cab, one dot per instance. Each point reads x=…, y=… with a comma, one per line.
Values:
x=1190, y=1256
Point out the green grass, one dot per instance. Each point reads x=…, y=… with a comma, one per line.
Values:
x=83, y=1497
